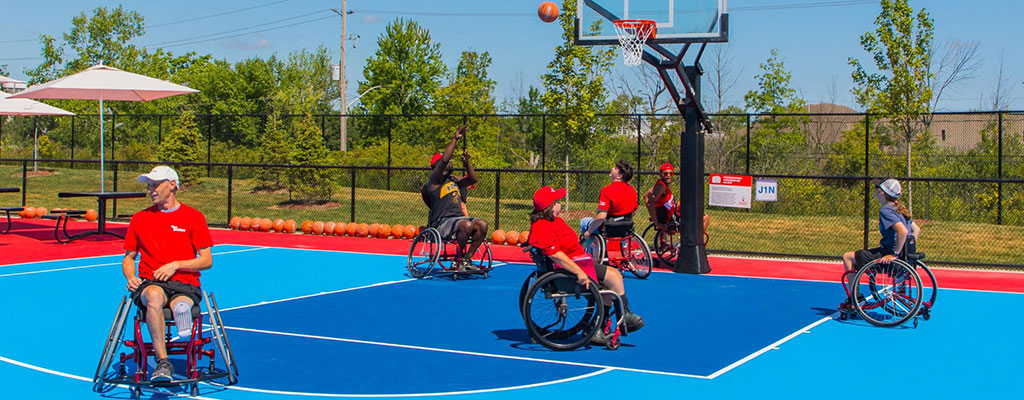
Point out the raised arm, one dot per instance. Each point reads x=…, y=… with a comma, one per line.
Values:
x=446, y=157
x=470, y=178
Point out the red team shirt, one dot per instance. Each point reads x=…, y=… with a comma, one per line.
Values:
x=619, y=198
x=554, y=236
x=163, y=237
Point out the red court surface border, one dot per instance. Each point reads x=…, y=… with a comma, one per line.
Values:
x=32, y=241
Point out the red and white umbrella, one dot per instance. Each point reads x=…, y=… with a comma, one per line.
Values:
x=101, y=83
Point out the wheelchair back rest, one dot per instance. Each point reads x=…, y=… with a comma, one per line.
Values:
x=910, y=246
x=618, y=226
x=543, y=262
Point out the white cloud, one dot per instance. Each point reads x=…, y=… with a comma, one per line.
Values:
x=371, y=19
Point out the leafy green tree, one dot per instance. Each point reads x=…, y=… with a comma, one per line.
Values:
x=102, y=37
x=900, y=47
x=469, y=89
x=408, y=64
x=314, y=185
x=275, y=148
x=183, y=144
x=574, y=86
x=776, y=138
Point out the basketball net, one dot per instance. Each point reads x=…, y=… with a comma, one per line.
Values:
x=632, y=34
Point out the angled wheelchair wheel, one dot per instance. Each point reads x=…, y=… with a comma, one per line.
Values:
x=111, y=345
x=523, y=291
x=638, y=255
x=482, y=259
x=561, y=314
x=595, y=246
x=931, y=287
x=893, y=293
x=424, y=253
x=223, y=345
x=666, y=246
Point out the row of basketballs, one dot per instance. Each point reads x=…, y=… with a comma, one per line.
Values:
x=39, y=212
x=511, y=238
x=355, y=229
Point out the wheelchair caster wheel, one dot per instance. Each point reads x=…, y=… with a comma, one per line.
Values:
x=926, y=314
x=843, y=316
x=613, y=343
x=194, y=390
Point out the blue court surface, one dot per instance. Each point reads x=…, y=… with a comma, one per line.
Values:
x=312, y=323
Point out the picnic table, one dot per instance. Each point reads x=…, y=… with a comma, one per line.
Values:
x=101, y=207
x=9, y=210
x=9, y=190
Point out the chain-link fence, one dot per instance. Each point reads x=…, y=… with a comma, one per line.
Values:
x=965, y=181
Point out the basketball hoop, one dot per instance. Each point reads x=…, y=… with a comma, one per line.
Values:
x=633, y=33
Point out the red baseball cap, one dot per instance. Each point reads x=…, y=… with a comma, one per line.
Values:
x=546, y=196
x=434, y=159
x=666, y=167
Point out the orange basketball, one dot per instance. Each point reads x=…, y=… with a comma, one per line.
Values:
x=91, y=215
x=289, y=226
x=383, y=231
x=278, y=225
x=40, y=212
x=339, y=229
x=255, y=224
x=524, y=237
x=329, y=227
x=362, y=229
x=373, y=230
x=548, y=11
x=498, y=236
x=243, y=223
x=350, y=229
x=409, y=232
x=318, y=227
x=512, y=238
x=29, y=212
x=397, y=231
x=266, y=225
x=22, y=212
x=234, y=222
x=307, y=226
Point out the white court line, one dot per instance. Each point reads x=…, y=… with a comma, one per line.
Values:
x=84, y=379
x=462, y=352
x=109, y=264
x=584, y=376
x=316, y=294
x=62, y=259
x=775, y=345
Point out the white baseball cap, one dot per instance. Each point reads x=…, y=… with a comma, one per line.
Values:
x=160, y=173
x=891, y=187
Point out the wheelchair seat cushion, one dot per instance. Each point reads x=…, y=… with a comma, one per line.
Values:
x=619, y=226
x=168, y=315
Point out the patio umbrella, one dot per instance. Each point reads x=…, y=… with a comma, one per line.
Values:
x=26, y=107
x=7, y=82
x=101, y=83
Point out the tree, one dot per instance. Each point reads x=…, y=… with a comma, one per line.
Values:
x=901, y=49
x=103, y=37
x=313, y=184
x=574, y=84
x=408, y=63
x=182, y=144
x=776, y=137
x=469, y=89
x=722, y=78
x=998, y=100
x=276, y=147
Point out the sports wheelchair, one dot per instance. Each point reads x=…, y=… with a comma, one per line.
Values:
x=129, y=367
x=561, y=314
x=896, y=291
x=429, y=251
x=666, y=243
x=629, y=251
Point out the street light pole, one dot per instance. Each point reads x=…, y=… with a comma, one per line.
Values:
x=342, y=131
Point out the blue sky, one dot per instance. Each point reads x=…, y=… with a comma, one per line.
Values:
x=814, y=40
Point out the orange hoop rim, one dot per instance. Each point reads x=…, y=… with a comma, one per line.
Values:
x=637, y=24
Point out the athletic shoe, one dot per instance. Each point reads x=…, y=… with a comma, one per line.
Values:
x=467, y=266
x=633, y=322
x=599, y=338
x=163, y=372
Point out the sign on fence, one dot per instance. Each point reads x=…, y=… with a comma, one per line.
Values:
x=766, y=190
x=729, y=191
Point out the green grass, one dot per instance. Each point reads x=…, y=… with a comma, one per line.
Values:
x=951, y=241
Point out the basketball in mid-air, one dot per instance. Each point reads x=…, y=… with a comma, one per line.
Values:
x=548, y=11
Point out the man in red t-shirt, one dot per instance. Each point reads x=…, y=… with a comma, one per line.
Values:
x=169, y=235
x=616, y=201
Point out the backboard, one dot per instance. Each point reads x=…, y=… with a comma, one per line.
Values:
x=678, y=21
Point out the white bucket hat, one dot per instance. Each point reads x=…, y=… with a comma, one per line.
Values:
x=891, y=187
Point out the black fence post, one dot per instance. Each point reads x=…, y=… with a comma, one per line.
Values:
x=748, y=145
x=544, y=149
x=465, y=122
x=999, y=191
x=24, y=181
x=231, y=179
x=638, y=123
x=113, y=136
x=867, y=174
x=497, y=199
x=352, y=197
x=72, y=141
x=113, y=212
x=209, y=141
x=389, y=153
x=159, y=129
